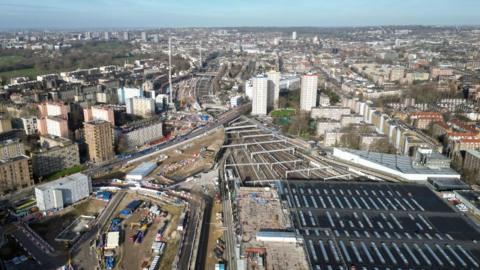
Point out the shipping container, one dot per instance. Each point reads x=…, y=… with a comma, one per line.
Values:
x=115, y=225
x=104, y=195
x=220, y=266
x=109, y=262
x=131, y=207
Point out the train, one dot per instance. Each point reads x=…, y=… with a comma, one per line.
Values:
x=160, y=232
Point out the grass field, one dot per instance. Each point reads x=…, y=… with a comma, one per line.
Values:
x=18, y=62
x=283, y=112
x=105, y=46
x=27, y=72
x=8, y=60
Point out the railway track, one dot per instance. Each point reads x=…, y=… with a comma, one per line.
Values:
x=280, y=162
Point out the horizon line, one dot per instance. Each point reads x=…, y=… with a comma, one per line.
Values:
x=58, y=28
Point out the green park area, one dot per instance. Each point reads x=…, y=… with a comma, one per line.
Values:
x=283, y=112
x=65, y=172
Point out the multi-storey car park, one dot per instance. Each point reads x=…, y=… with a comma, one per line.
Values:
x=379, y=226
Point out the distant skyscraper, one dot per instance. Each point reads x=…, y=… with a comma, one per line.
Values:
x=276, y=41
x=107, y=36
x=104, y=113
x=125, y=93
x=294, y=35
x=5, y=124
x=260, y=95
x=308, y=91
x=99, y=138
x=15, y=173
x=57, y=126
x=126, y=36
x=141, y=106
x=144, y=36
x=273, y=88
x=88, y=35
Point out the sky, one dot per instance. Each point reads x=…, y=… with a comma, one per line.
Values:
x=222, y=13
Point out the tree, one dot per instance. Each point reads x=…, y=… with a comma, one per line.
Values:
x=291, y=99
x=334, y=97
x=382, y=146
x=352, y=136
x=299, y=125
x=472, y=177
x=350, y=140
x=121, y=146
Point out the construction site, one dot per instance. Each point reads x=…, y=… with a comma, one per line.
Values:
x=291, y=209
x=147, y=228
x=259, y=209
x=68, y=224
x=191, y=158
x=173, y=165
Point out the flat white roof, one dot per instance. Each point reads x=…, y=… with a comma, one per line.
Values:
x=62, y=181
x=143, y=169
x=112, y=240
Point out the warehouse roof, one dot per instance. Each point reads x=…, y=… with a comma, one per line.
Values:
x=62, y=181
x=143, y=169
x=447, y=184
x=381, y=225
x=474, y=153
x=400, y=163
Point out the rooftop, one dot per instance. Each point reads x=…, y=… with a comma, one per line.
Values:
x=384, y=225
x=62, y=181
x=474, y=153
x=400, y=163
x=3, y=161
x=7, y=142
x=447, y=184
x=143, y=168
x=470, y=140
x=472, y=196
x=259, y=208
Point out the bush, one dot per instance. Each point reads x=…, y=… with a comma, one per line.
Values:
x=65, y=172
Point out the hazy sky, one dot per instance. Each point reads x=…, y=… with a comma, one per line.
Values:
x=181, y=13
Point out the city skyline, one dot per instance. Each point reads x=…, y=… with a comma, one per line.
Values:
x=239, y=135
x=213, y=13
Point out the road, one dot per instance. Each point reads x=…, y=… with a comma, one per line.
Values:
x=41, y=252
x=222, y=119
x=84, y=256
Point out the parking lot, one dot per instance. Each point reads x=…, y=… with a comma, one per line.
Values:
x=373, y=225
